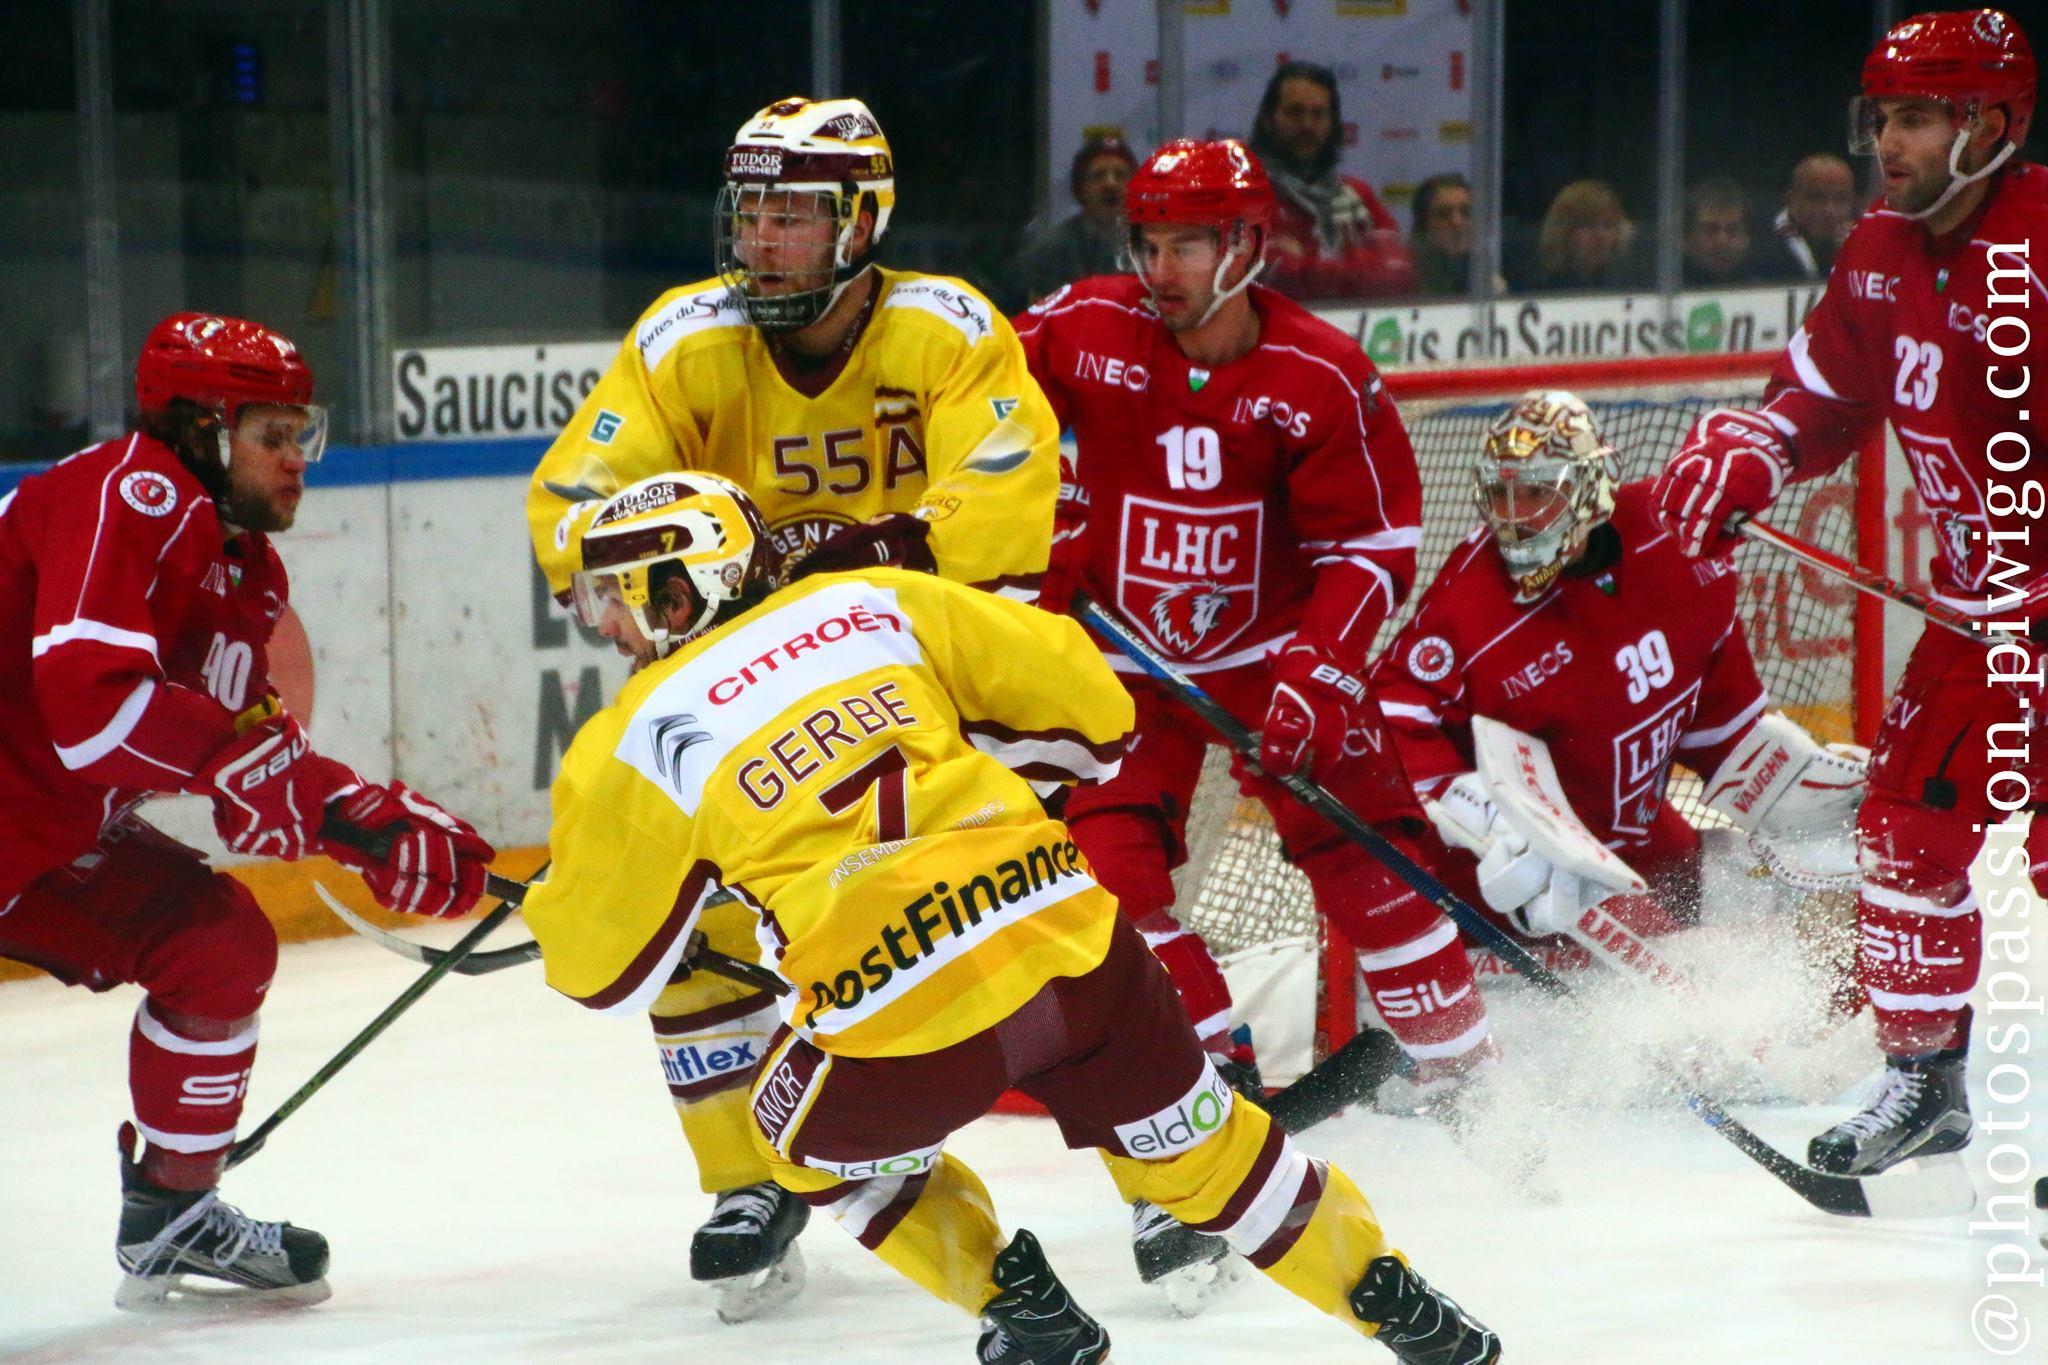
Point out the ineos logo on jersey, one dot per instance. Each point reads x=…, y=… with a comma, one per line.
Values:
x=1112, y=370
x=1873, y=285
x=1971, y=324
x=1278, y=411
x=1536, y=672
x=149, y=493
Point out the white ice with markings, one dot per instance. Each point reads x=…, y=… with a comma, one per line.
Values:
x=502, y=1179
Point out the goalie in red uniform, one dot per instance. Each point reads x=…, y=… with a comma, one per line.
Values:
x=1925, y=322
x=138, y=592
x=1572, y=616
x=1244, y=496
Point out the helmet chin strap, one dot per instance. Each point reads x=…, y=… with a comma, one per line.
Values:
x=1956, y=179
x=1222, y=295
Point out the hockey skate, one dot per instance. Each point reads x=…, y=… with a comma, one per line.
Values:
x=1033, y=1320
x=185, y=1248
x=1420, y=1325
x=1466, y=1097
x=1920, y=1108
x=747, y=1251
x=1192, y=1269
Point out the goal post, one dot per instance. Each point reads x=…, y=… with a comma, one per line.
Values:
x=1818, y=643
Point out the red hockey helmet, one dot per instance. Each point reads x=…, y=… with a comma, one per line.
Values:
x=1214, y=184
x=222, y=364
x=1972, y=61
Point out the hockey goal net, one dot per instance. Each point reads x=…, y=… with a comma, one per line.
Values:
x=1816, y=642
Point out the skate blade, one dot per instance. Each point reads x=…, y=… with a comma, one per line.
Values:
x=1192, y=1289
x=744, y=1297
x=1922, y=1187
x=189, y=1294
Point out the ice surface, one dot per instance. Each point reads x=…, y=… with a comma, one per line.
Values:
x=502, y=1179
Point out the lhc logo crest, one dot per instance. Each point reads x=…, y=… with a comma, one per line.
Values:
x=149, y=493
x=1189, y=575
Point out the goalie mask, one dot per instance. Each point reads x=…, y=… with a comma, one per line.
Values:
x=1544, y=480
x=798, y=177
x=670, y=553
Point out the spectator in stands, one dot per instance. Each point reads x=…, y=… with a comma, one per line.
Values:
x=1586, y=242
x=1442, y=236
x=1820, y=208
x=1086, y=242
x=1716, y=244
x=1332, y=238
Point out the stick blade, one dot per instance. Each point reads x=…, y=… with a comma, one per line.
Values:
x=1346, y=1077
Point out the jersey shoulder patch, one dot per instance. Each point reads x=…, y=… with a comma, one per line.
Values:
x=954, y=301
x=686, y=312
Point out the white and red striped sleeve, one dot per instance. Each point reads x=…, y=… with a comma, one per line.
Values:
x=1356, y=499
x=111, y=574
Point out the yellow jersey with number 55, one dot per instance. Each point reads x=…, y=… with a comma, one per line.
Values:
x=934, y=414
x=859, y=761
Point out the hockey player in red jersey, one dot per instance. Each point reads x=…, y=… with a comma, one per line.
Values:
x=1925, y=322
x=138, y=592
x=1245, y=497
x=1572, y=616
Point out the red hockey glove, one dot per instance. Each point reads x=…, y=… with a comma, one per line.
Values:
x=268, y=787
x=1732, y=465
x=894, y=539
x=435, y=863
x=1321, y=713
x=1069, y=554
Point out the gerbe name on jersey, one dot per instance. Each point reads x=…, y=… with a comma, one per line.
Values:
x=921, y=927
x=790, y=757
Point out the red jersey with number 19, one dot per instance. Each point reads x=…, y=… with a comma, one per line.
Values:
x=131, y=634
x=1946, y=337
x=1228, y=509
x=1620, y=670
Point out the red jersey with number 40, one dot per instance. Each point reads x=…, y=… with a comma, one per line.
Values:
x=1947, y=337
x=1229, y=508
x=1620, y=671
x=130, y=636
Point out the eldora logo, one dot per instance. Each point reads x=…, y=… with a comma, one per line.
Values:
x=878, y=1168
x=1183, y=1125
x=149, y=493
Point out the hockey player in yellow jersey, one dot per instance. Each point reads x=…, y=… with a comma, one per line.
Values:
x=856, y=760
x=876, y=417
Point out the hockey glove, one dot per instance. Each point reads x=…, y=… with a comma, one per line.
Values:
x=1068, y=555
x=268, y=787
x=1321, y=713
x=1732, y=465
x=435, y=863
x=894, y=539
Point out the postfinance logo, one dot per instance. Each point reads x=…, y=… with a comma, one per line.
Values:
x=1184, y=1125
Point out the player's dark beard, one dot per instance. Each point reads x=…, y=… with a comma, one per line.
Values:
x=253, y=512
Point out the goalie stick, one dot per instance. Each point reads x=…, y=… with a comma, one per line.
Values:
x=1928, y=1192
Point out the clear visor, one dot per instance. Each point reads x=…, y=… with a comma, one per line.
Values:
x=598, y=596
x=300, y=432
x=1868, y=117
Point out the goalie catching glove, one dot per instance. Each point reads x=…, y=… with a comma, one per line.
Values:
x=1796, y=800
x=434, y=864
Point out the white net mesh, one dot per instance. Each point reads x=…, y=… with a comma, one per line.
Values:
x=1236, y=891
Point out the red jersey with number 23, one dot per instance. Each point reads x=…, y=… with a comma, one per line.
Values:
x=131, y=633
x=1619, y=671
x=1229, y=508
x=1948, y=337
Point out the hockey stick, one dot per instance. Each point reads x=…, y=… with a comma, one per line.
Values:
x=1864, y=580
x=1927, y=1192
x=253, y=1143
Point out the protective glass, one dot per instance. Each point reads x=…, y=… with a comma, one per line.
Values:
x=278, y=428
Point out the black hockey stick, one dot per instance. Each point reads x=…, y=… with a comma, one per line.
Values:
x=1922, y=1193
x=1346, y=1077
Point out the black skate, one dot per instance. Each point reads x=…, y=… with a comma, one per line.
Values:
x=1920, y=1108
x=747, y=1250
x=1033, y=1320
x=1420, y=1325
x=169, y=1235
x=1193, y=1269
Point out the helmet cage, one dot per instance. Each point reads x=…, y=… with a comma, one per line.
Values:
x=1543, y=481
x=797, y=309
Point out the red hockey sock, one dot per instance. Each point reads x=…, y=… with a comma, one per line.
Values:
x=1919, y=961
x=188, y=1076
x=1424, y=990
x=1195, y=975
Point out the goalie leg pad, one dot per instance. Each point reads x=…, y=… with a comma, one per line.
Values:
x=1921, y=933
